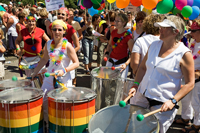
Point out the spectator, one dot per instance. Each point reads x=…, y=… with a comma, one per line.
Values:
x=2, y=59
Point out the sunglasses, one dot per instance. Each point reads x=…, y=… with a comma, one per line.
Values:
x=193, y=31
x=57, y=29
x=61, y=14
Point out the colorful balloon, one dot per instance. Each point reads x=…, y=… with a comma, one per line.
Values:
x=147, y=11
x=180, y=4
x=149, y=4
x=102, y=22
x=196, y=3
x=96, y=1
x=122, y=3
x=189, y=2
x=92, y=11
x=195, y=12
x=111, y=1
x=87, y=3
x=136, y=2
x=164, y=6
x=186, y=11
x=102, y=6
x=96, y=6
x=82, y=3
x=103, y=1
x=175, y=11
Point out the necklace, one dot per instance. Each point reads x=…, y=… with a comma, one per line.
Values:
x=120, y=39
x=32, y=37
x=192, y=48
x=62, y=51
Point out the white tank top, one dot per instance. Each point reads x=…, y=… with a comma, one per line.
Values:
x=162, y=79
x=12, y=28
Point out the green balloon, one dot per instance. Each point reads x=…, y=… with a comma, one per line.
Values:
x=186, y=11
x=96, y=6
x=175, y=11
x=100, y=11
x=82, y=3
x=96, y=1
x=164, y=6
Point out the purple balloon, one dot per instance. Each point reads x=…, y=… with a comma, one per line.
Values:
x=189, y=2
x=87, y=3
x=102, y=1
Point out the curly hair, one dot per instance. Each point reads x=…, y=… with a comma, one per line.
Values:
x=148, y=23
x=140, y=16
x=110, y=16
x=197, y=21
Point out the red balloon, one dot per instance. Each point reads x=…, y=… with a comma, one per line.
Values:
x=136, y=2
x=113, y=68
x=102, y=6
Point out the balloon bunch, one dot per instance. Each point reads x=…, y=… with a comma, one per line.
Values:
x=94, y=6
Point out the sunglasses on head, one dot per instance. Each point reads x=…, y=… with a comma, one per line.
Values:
x=57, y=29
x=61, y=14
x=194, y=30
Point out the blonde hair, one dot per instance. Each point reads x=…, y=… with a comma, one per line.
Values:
x=43, y=12
x=2, y=34
x=180, y=25
x=33, y=9
x=123, y=17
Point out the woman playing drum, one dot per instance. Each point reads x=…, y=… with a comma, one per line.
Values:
x=161, y=70
x=32, y=37
x=61, y=53
x=120, y=42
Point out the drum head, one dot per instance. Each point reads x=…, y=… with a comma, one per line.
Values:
x=114, y=119
x=105, y=73
x=30, y=60
x=6, y=84
x=72, y=94
x=20, y=95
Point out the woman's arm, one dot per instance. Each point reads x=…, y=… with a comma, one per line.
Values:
x=2, y=48
x=17, y=42
x=80, y=34
x=46, y=38
x=47, y=23
x=9, y=24
x=72, y=55
x=75, y=41
x=187, y=68
x=18, y=27
x=135, y=60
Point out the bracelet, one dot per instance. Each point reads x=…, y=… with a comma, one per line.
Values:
x=106, y=53
x=17, y=48
x=64, y=70
x=134, y=86
x=136, y=83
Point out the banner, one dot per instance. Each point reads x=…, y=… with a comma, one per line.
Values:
x=132, y=8
x=54, y=4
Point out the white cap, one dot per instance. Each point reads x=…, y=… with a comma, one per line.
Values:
x=165, y=23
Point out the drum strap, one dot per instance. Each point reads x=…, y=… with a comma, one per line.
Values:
x=119, y=61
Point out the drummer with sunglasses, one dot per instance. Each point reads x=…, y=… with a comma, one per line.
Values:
x=60, y=52
x=158, y=80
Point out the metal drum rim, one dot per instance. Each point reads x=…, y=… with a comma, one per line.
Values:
x=71, y=101
x=99, y=111
x=103, y=78
x=27, y=80
x=40, y=95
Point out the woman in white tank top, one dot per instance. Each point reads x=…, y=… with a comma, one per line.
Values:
x=159, y=75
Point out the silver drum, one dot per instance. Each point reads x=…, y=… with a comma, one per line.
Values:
x=104, y=83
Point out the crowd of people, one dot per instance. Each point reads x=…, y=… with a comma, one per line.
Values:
x=151, y=47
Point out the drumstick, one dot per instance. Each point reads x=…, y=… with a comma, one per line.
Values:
x=14, y=78
x=62, y=85
x=123, y=103
x=49, y=74
x=24, y=60
x=141, y=117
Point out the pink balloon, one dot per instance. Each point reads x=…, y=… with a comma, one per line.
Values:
x=82, y=7
x=180, y=4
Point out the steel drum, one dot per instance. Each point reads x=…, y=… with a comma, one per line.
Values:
x=21, y=110
x=115, y=119
x=104, y=83
x=7, y=84
x=123, y=87
x=70, y=110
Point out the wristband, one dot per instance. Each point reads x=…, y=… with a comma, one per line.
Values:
x=64, y=70
x=17, y=48
x=107, y=53
x=136, y=83
x=134, y=86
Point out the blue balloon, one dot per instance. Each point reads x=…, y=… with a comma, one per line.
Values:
x=174, y=1
x=92, y=11
x=129, y=30
x=196, y=3
x=195, y=12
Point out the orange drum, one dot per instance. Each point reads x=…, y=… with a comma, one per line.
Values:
x=71, y=110
x=21, y=110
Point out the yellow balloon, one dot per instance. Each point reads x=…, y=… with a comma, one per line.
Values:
x=102, y=22
x=147, y=11
x=111, y=1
